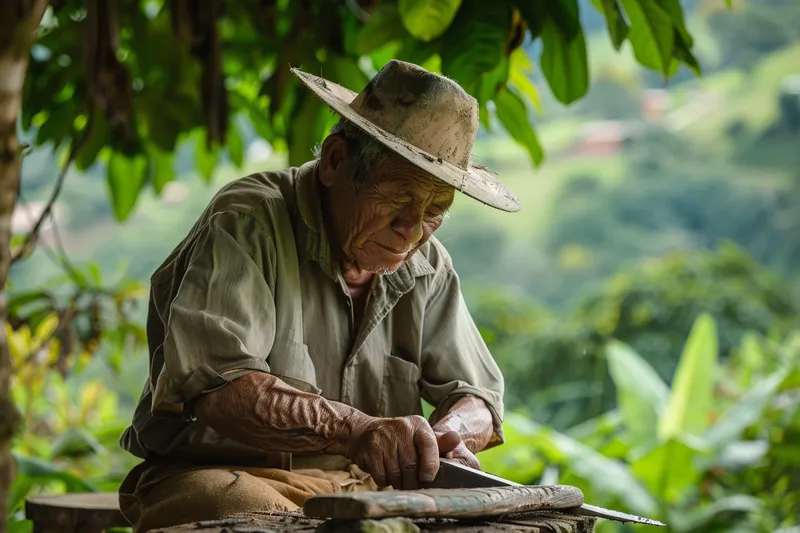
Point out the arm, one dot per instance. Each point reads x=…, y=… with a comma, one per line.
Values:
x=472, y=420
x=220, y=331
x=260, y=410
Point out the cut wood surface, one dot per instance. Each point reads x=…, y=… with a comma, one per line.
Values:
x=552, y=522
x=443, y=503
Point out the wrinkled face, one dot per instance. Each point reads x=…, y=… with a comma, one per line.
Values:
x=381, y=223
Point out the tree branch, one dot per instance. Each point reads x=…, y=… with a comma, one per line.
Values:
x=31, y=239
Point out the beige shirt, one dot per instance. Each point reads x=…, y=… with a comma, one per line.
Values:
x=253, y=288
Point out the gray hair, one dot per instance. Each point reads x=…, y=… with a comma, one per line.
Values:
x=364, y=151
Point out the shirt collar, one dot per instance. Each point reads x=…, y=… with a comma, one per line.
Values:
x=312, y=238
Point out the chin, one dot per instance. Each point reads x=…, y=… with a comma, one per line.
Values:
x=383, y=269
x=380, y=267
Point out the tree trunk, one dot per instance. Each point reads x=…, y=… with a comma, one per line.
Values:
x=18, y=22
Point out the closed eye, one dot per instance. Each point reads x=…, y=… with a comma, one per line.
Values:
x=438, y=213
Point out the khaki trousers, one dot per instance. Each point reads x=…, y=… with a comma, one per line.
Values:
x=161, y=496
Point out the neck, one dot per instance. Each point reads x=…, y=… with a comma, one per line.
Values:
x=354, y=276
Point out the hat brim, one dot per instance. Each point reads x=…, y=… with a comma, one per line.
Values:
x=477, y=181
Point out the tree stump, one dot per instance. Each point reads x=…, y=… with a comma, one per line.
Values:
x=83, y=512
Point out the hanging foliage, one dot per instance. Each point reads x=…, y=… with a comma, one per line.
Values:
x=135, y=78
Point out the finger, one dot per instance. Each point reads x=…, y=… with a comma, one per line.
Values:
x=447, y=442
x=427, y=454
x=409, y=465
x=391, y=462
x=472, y=461
x=377, y=470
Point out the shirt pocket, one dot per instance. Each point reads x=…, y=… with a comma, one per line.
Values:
x=400, y=394
x=290, y=362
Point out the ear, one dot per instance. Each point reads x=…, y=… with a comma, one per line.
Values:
x=333, y=162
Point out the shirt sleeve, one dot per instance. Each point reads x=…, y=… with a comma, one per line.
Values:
x=455, y=360
x=221, y=323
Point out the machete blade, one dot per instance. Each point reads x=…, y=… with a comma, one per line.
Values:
x=453, y=475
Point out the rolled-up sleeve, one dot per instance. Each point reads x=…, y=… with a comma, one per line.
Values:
x=221, y=322
x=455, y=360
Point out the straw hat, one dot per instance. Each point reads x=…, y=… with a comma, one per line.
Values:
x=424, y=117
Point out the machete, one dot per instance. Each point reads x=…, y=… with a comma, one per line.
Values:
x=453, y=475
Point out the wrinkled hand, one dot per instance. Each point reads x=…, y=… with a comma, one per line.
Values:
x=452, y=447
x=401, y=452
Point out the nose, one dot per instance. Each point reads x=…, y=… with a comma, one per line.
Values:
x=409, y=225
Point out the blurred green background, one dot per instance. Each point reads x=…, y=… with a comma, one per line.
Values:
x=643, y=305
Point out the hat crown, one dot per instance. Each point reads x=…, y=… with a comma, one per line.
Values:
x=425, y=109
x=425, y=118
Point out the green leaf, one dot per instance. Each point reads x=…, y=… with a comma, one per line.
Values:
x=493, y=81
x=235, y=144
x=95, y=141
x=414, y=51
x=258, y=117
x=41, y=471
x=346, y=72
x=37, y=316
x=747, y=411
x=204, y=158
x=17, y=302
x=604, y=475
x=694, y=518
x=566, y=15
x=384, y=26
x=668, y=470
x=75, y=443
x=21, y=486
x=126, y=178
x=161, y=169
x=684, y=54
x=749, y=358
x=691, y=398
x=474, y=44
x=484, y=117
x=675, y=10
x=742, y=454
x=515, y=460
x=95, y=273
x=520, y=67
x=20, y=526
x=309, y=121
x=427, y=19
x=564, y=62
x=641, y=394
x=617, y=25
x=534, y=12
x=58, y=125
x=513, y=115
x=651, y=34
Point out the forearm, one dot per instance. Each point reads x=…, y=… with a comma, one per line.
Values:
x=472, y=420
x=260, y=410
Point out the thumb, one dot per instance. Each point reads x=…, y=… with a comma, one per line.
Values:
x=448, y=441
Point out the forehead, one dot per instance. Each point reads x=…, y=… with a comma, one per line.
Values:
x=397, y=173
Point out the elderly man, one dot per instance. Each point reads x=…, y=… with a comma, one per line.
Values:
x=295, y=330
